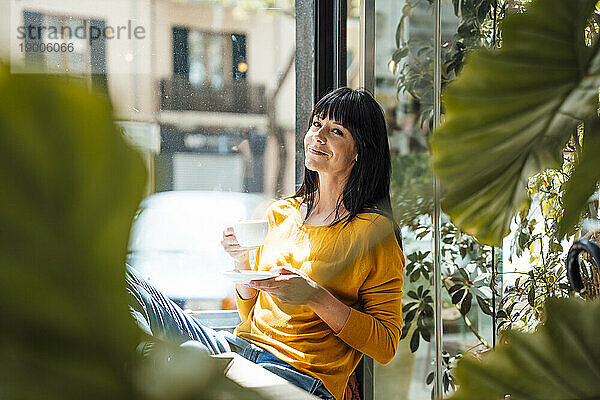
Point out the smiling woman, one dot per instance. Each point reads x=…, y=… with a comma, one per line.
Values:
x=329, y=147
x=335, y=251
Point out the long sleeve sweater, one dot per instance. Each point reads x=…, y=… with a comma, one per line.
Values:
x=360, y=264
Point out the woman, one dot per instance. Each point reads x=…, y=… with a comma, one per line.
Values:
x=337, y=253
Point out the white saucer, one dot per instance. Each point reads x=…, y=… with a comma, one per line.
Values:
x=244, y=277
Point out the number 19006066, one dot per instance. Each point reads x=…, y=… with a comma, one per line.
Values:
x=47, y=47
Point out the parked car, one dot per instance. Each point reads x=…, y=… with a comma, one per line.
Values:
x=175, y=243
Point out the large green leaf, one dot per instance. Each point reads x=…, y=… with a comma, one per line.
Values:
x=511, y=111
x=583, y=180
x=559, y=361
x=70, y=188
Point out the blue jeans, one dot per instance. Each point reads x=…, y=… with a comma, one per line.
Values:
x=160, y=317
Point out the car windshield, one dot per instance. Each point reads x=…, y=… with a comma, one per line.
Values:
x=175, y=242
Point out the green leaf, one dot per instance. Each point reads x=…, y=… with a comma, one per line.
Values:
x=426, y=334
x=71, y=187
x=465, y=306
x=399, y=54
x=531, y=295
x=408, y=306
x=405, y=330
x=511, y=111
x=414, y=341
x=458, y=296
x=430, y=377
x=410, y=315
x=456, y=4
x=454, y=288
x=400, y=30
x=173, y=372
x=584, y=179
x=563, y=354
x=483, y=304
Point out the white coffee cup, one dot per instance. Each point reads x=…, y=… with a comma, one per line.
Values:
x=251, y=233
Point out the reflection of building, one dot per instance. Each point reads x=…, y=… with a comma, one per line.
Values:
x=401, y=111
x=202, y=75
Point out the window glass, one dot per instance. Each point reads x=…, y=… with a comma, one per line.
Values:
x=225, y=61
x=197, y=58
x=353, y=44
x=404, y=88
x=190, y=82
x=404, y=54
x=55, y=60
x=215, y=60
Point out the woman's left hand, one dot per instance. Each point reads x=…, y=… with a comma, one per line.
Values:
x=291, y=286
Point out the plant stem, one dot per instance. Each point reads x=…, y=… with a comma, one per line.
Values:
x=472, y=328
x=468, y=322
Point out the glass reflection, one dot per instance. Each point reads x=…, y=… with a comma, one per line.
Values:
x=206, y=91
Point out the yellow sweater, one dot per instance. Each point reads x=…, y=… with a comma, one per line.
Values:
x=360, y=264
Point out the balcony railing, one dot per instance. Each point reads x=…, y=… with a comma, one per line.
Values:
x=178, y=94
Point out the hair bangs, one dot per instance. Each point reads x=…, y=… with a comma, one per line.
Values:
x=343, y=106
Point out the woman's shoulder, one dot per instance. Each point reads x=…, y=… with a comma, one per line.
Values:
x=372, y=221
x=375, y=229
x=283, y=208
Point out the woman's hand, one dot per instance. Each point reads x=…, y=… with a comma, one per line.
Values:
x=294, y=287
x=291, y=286
x=233, y=248
x=240, y=259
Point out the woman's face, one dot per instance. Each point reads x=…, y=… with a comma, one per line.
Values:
x=329, y=147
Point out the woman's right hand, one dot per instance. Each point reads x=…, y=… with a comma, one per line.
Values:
x=233, y=248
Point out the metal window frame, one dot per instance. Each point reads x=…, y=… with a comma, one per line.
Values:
x=330, y=46
x=321, y=59
x=322, y=51
x=366, y=54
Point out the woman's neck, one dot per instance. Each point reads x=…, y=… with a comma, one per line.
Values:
x=326, y=200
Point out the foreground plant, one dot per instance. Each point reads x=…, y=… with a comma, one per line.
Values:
x=561, y=360
x=71, y=187
x=510, y=113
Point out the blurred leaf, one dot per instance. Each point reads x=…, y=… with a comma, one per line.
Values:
x=456, y=4
x=426, y=335
x=176, y=373
x=561, y=360
x=584, y=179
x=511, y=111
x=70, y=189
x=71, y=186
x=399, y=54
x=430, y=377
